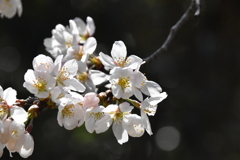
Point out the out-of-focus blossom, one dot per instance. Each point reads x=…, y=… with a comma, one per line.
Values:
x=8, y=8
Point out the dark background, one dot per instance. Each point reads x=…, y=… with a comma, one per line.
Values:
x=200, y=119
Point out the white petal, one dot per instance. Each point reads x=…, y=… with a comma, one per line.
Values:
x=19, y=9
x=90, y=45
x=74, y=85
x=1, y=92
x=117, y=91
x=125, y=107
x=98, y=77
x=1, y=149
x=73, y=27
x=119, y=50
x=135, y=61
x=146, y=123
x=90, y=26
x=19, y=114
x=28, y=147
x=70, y=123
x=158, y=99
x=103, y=124
x=16, y=129
x=80, y=25
x=71, y=67
x=134, y=125
x=138, y=94
x=90, y=123
x=120, y=133
x=10, y=96
x=106, y=60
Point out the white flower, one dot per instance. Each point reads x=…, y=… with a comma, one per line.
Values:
x=151, y=89
x=81, y=52
x=71, y=113
x=139, y=82
x=124, y=122
x=24, y=145
x=84, y=30
x=83, y=76
x=134, y=125
x=18, y=114
x=7, y=99
x=39, y=83
x=93, y=114
x=43, y=63
x=121, y=80
x=119, y=53
x=27, y=147
x=5, y=130
x=148, y=108
x=58, y=95
x=65, y=76
x=16, y=129
x=90, y=100
x=60, y=41
x=142, y=85
x=8, y=8
x=8, y=95
x=66, y=37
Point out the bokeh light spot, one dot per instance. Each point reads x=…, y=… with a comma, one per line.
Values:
x=168, y=138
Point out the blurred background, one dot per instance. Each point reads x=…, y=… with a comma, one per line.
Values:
x=200, y=119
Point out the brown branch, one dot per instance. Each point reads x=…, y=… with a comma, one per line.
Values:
x=193, y=9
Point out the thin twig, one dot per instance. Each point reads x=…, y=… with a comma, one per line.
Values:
x=194, y=9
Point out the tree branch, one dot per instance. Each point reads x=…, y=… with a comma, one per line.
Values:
x=193, y=9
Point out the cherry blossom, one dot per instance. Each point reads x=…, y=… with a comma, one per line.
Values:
x=39, y=83
x=43, y=63
x=8, y=8
x=65, y=75
x=81, y=52
x=71, y=113
x=121, y=80
x=123, y=121
x=84, y=30
x=119, y=53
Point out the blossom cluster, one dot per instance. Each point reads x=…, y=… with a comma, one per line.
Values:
x=13, y=134
x=97, y=90
x=76, y=83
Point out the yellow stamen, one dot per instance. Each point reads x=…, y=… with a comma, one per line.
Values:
x=97, y=115
x=124, y=82
x=68, y=111
x=83, y=77
x=40, y=83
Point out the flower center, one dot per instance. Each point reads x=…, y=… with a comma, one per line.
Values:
x=3, y=111
x=78, y=55
x=40, y=83
x=68, y=111
x=8, y=3
x=118, y=117
x=84, y=37
x=124, y=82
x=63, y=75
x=14, y=132
x=82, y=77
x=121, y=62
x=69, y=43
x=97, y=115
